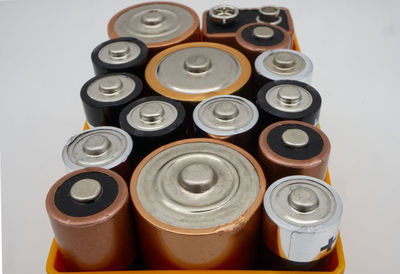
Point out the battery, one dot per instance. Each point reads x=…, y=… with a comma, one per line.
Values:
x=293, y=148
x=198, y=205
x=90, y=213
x=255, y=38
x=104, y=96
x=229, y=118
x=288, y=100
x=152, y=122
x=158, y=24
x=125, y=54
x=301, y=221
x=282, y=64
x=106, y=147
x=193, y=72
x=221, y=22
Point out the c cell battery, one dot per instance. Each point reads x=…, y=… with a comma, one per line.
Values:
x=197, y=204
x=90, y=213
x=104, y=96
x=106, y=147
x=152, y=122
x=124, y=54
x=229, y=118
x=282, y=64
x=293, y=148
x=288, y=100
x=301, y=222
x=256, y=38
x=157, y=24
x=221, y=22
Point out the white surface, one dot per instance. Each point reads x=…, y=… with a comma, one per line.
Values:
x=45, y=59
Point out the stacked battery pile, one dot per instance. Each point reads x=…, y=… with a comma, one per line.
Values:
x=191, y=161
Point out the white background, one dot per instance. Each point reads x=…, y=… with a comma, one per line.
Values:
x=45, y=59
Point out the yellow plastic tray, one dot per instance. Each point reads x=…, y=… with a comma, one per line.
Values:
x=55, y=264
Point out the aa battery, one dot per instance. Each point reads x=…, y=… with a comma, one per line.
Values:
x=193, y=72
x=90, y=213
x=125, y=54
x=229, y=118
x=293, y=148
x=158, y=24
x=301, y=221
x=221, y=22
x=106, y=147
x=104, y=96
x=288, y=100
x=153, y=122
x=255, y=38
x=282, y=64
x=197, y=205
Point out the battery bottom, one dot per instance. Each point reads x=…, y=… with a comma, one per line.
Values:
x=269, y=260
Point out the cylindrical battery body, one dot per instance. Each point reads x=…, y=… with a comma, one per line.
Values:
x=193, y=72
x=158, y=24
x=197, y=205
x=90, y=213
x=104, y=96
x=153, y=122
x=293, y=148
x=229, y=118
x=282, y=64
x=106, y=147
x=288, y=100
x=255, y=38
x=301, y=220
x=125, y=54
x=221, y=22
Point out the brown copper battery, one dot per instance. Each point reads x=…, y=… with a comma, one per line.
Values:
x=193, y=72
x=197, y=205
x=293, y=148
x=221, y=22
x=90, y=213
x=158, y=24
x=255, y=38
x=106, y=147
x=229, y=118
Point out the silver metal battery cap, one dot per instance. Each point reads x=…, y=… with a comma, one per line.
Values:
x=225, y=115
x=86, y=190
x=302, y=201
x=105, y=147
x=289, y=98
x=152, y=115
x=295, y=137
x=284, y=64
x=120, y=52
x=269, y=14
x=111, y=88
x=223, y=14
x=198, y=70
x=154, y=23
x=197, y=185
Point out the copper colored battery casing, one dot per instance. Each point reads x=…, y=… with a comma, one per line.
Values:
x=276, y=166
x=102, y=241
x=251, y=49
x=229, y=246
x=245, y=16
x=192, y=34
x=178, y=248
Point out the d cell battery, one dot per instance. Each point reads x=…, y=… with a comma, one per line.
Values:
x=158, y=24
